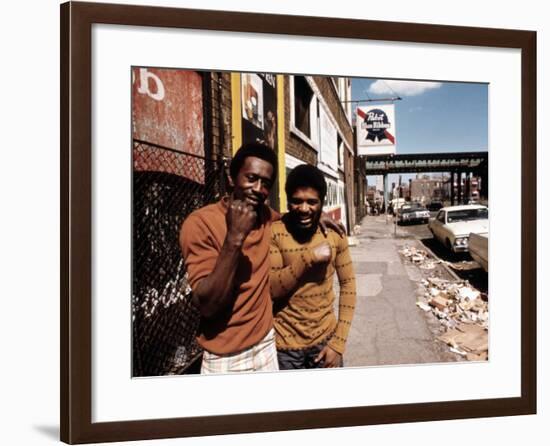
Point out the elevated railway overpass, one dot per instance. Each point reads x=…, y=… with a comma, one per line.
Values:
x=457, y=164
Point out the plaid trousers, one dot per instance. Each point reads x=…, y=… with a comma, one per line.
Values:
x=261, y=357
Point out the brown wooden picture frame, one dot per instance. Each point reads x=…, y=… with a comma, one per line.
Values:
x=76, y=221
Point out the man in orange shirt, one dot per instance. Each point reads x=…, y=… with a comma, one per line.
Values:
x=226, y=250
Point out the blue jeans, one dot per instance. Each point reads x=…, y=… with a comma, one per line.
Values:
x=303, y=358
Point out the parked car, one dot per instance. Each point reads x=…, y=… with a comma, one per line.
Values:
x=453, y=225
x=479, y=251
x=434, y=205
x=413, y=213
x=395, y=205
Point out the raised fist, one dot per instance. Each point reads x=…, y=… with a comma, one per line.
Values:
x=240, y=220
x=321, y=253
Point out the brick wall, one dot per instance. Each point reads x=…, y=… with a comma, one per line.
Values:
x=220, y=91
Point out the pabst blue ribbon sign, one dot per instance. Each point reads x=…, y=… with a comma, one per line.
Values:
x=376, y=130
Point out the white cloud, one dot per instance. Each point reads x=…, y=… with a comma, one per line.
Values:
x=402, y=88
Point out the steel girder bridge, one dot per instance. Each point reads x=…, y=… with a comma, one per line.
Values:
x=456, y=164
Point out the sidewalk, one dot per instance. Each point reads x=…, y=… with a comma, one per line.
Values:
x=388, y=328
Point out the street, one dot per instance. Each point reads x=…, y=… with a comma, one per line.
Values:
x=388, y=326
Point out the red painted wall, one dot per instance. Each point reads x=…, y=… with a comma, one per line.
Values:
x=167, y=109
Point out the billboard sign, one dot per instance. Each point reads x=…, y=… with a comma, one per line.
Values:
x=376, y=130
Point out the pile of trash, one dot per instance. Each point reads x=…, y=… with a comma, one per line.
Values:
x=419, y=257
x=464, y=313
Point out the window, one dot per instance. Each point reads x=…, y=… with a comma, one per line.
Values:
x=340, y=145
x=302, y=105
x=467, y=215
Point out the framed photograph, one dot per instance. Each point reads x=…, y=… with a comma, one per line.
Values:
x=155, y=104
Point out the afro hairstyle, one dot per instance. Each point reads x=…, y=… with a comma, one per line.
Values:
x=306, y=175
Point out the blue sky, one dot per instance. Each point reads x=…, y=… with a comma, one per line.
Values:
x=432, y=117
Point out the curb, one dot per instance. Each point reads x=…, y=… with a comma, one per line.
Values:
x=444, y=265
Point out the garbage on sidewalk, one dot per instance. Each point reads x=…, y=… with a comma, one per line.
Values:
x=464, y=313
x=462, y=310
x=419, y=257
x=470, y=340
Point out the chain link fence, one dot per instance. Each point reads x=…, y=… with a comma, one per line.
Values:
x=167, y=186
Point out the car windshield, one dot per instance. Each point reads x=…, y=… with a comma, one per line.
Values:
x=414, y=208
x=467, y=214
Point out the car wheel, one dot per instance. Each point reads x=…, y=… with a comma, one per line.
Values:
x=448, y=244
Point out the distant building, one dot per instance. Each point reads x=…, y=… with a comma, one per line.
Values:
x=469, y=189
x=373, y=195
x=425, y=189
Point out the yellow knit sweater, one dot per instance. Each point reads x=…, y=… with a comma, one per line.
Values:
x=303, y=294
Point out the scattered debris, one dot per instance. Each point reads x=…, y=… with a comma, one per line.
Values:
x=455, y=301
x=461, y=309
x=463, y=312
x=423, y=306
x=439, y=302
x=468, y=340
x=419, y=257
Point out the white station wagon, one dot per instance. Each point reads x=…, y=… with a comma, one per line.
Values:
x=453, y=225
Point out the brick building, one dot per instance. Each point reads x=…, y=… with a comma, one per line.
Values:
x=318, y=131
x=425, y=189
x=186, y=126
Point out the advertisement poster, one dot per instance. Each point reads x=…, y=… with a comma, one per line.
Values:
x=253, y=99
x=376, y=130
x=259, y=115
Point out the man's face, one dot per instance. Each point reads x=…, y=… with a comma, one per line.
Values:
x=253, y=181
x=305, y=208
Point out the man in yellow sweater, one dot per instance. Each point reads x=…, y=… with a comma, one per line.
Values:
x=303, y=264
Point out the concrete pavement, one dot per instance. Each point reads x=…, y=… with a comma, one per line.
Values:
x=388, y=327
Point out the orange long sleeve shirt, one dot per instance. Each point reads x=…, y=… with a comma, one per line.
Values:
x=250, y=316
